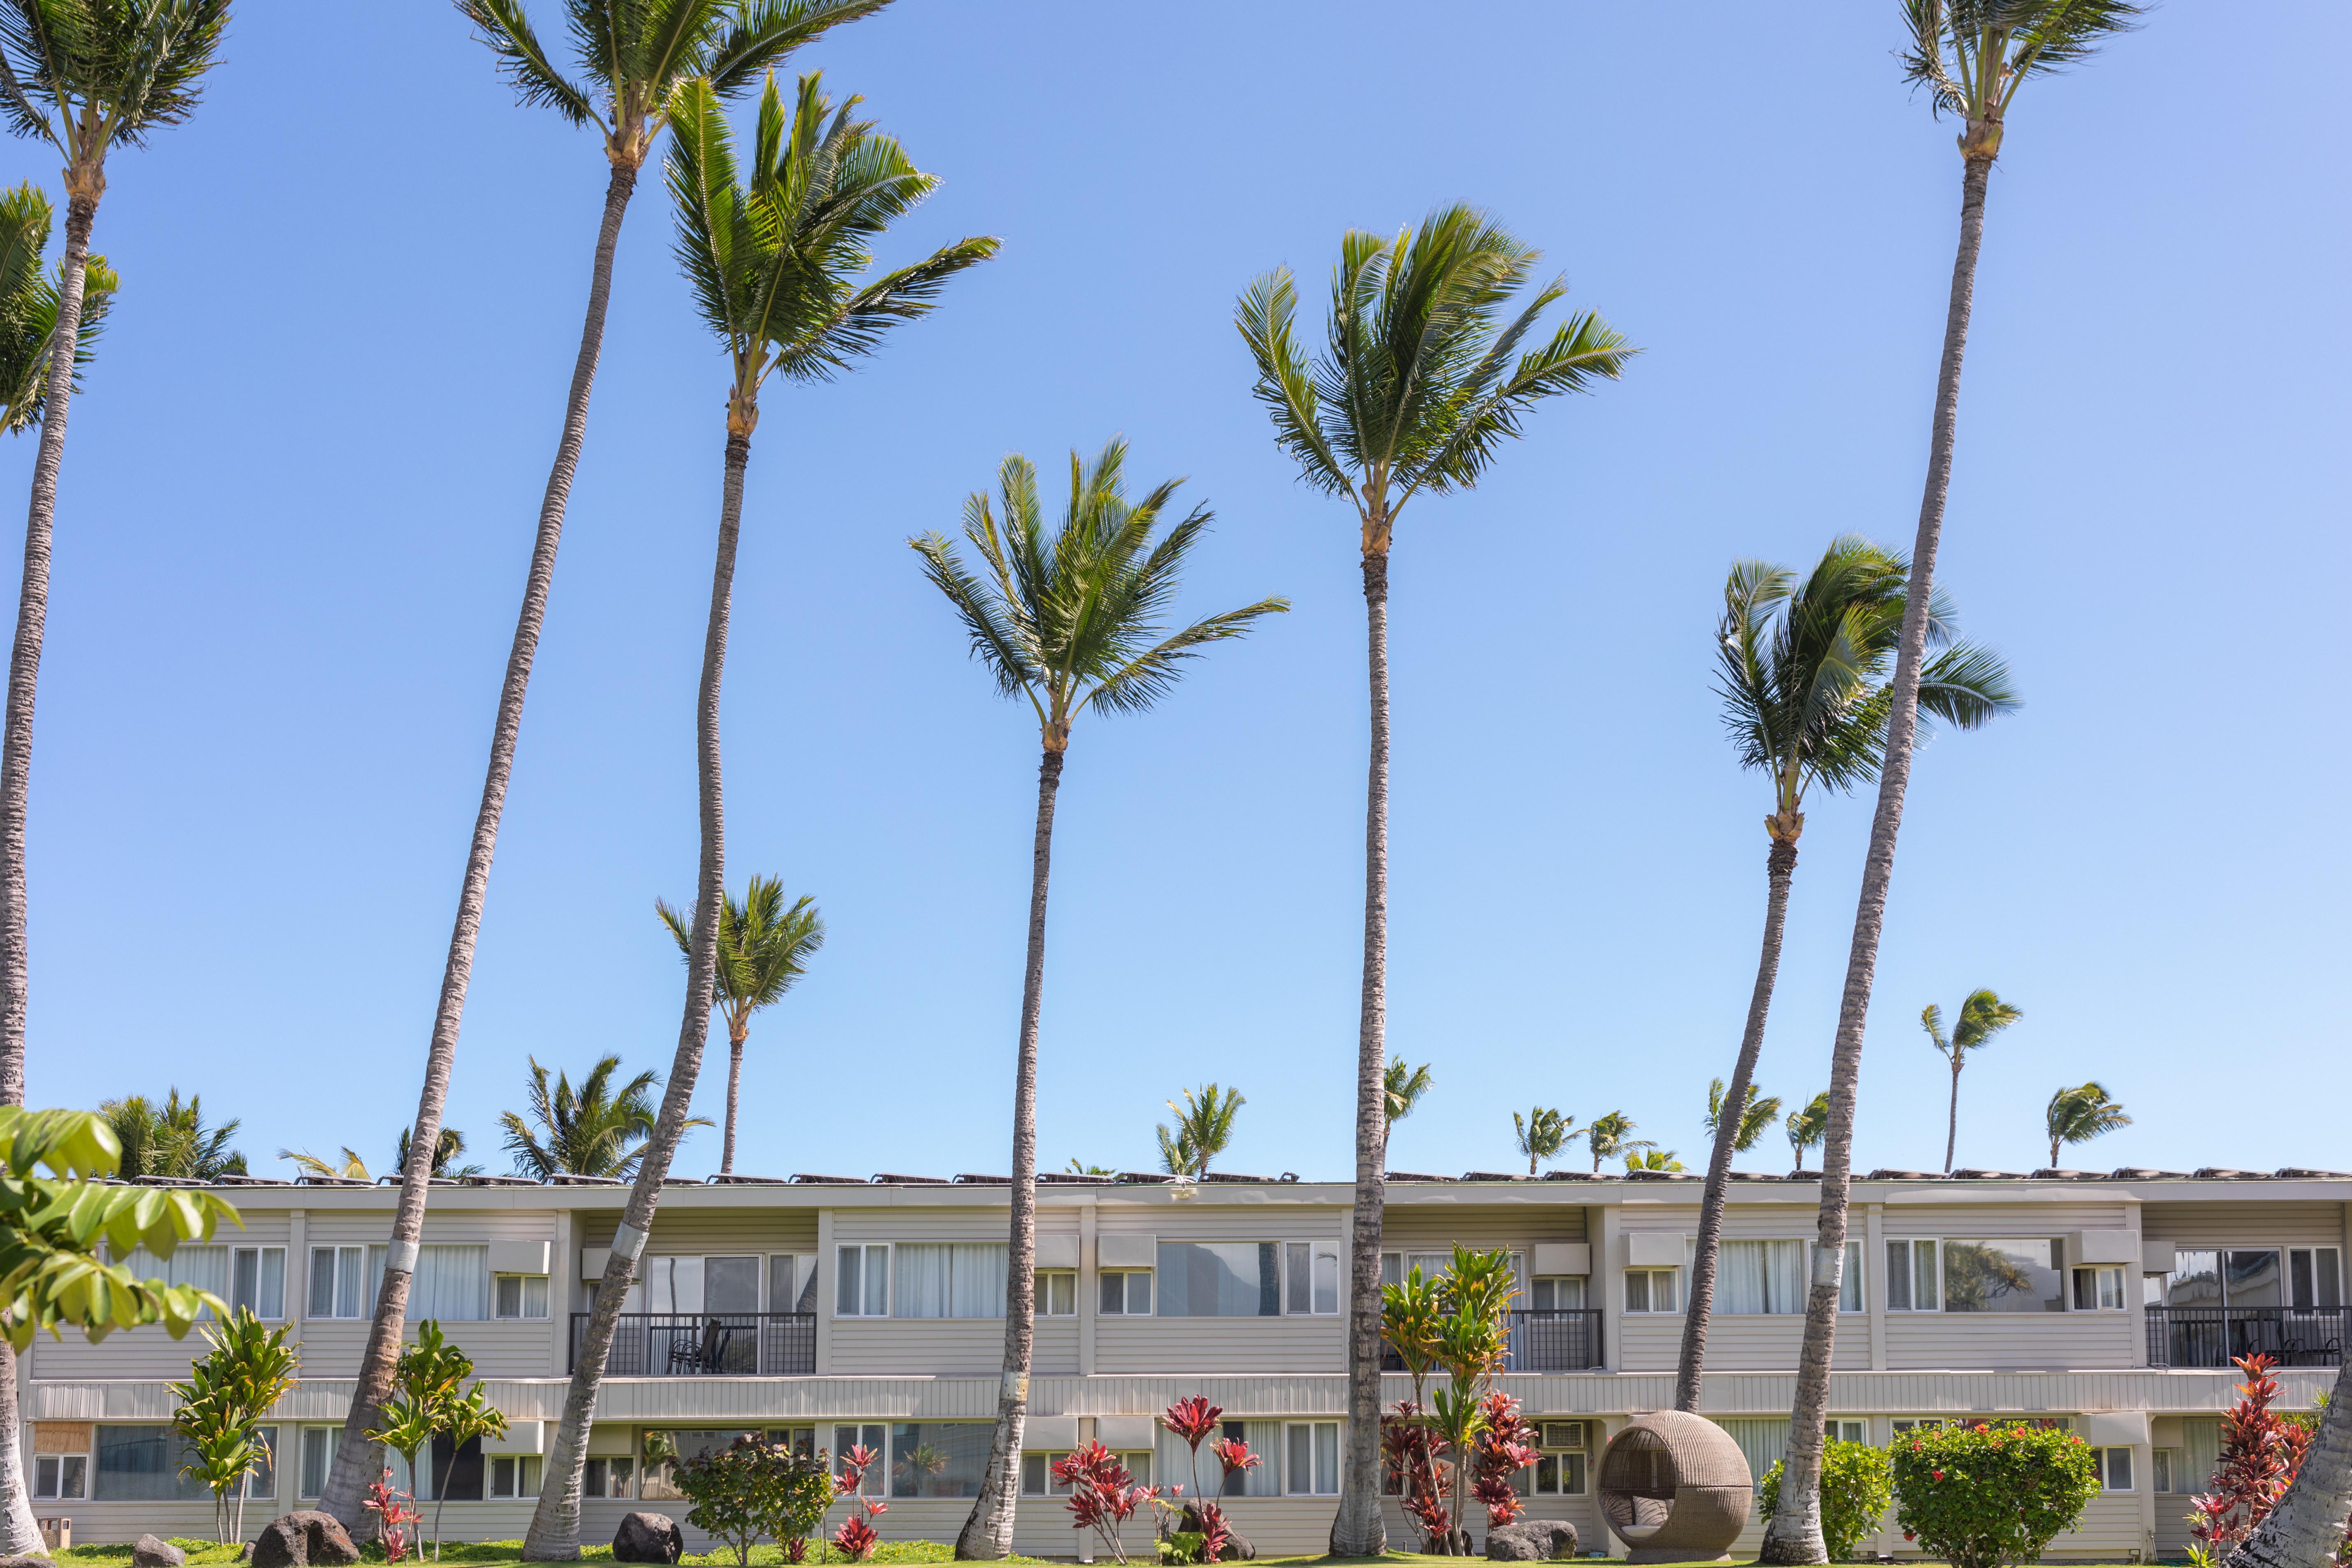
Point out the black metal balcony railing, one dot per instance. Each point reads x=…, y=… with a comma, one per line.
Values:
x=706, y=1344
x=1563, y=1341
x=2215, y=1336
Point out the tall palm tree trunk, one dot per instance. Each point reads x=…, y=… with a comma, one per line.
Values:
x=20, y=1533
x=2307, y=1525
x=1358, y=1529
x=989, y=1531
x=1794, y=1534
x=1780, y=869
x=1952, y=1121
x=359, y=1462
x=734, y=1094
x=554, y=1533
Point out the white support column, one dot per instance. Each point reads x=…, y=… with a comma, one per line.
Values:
x=1609, y=1273
x=2144, y=1492
x=561, y=1289
x=1086, y=1287
x=1874, y=1297
x=298, y=1274
x=825, y=1267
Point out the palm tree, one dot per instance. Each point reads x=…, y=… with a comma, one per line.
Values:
x=1204, y=1126
x=1542, y=1134
x=1755, y=1118
x=774, y=265
x=598, y=1130
x=1609, y=1135
x=1402, y=1086
x=763, y=948
x=1983, y=1016
x=1067, y=619
x=28, y=307
x=444, y=1155
x=171, y=1140
x=1972, y=56
x=1653, y=1159
x=1420, y=383
x=631, y=56
x=1807, y=1126
x=352, y=1168
x=1802, y=670
x=2079, y=1114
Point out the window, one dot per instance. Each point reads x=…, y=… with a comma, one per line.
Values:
x=1850, y=1281
x=861, y=1285
x=1913, y=1282
x=257, y=1281
x=1266, y=1440
x=1759, y=1276
x=2161, y=1461
x=2113, y=1468
x=1219, y=1279
x=612, y=1477
x=318, y=1446
x=206, y=1268
x=457, y=1473
x=1848, y=1431
x=1394, y=1265
x=2098, y=1290
x=335, y=1285
x=1124, y=1293
x=2238, y=1277
x=871, y=1438
x=520, y=1296
x=452, y=1283
x=1037, y=1474
x=1310, y=1278
x=1650, y=1289
x=938, y=1458
x=142, y=1464
x=2003, y=1276
x=1559, y=1475
x=1557, y=1293
x=514, y=1475
x=1920, y=1424
x=1058, y=1293
x=2313, y=1279
x=1310, y=1464
x=965, y=1279
x=792, y=1282
x=60, y=1478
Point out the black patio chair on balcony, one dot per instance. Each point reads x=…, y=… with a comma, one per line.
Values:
x=701, y=1352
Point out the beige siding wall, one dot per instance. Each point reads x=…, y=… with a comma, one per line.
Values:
x=945, y=1347
x=1426, y=1228
x=684, y=1233
x=2000, y=1339
x=1652, y=1342
x=2245, y=1224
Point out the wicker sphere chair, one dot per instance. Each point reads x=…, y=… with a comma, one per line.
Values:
x=1675, y=1488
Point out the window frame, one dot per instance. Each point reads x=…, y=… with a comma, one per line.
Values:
x=1127, y=1292
x=1314, y=1429
x=335, y=1253
x=1648, y=1275
x=2103, y=1465
x=1317, y=1252
x=2162, y=1467
x=2057, y=1264
x=261, y=1256
x=865, y=1251
x=519, y=1466
x=57, y=1493
x=2099, y=1276
x=1908, y=1275
x=329, y=1439
x=2333, y=1285
x=1042, y=1282
x=600, y=1467
x=523, y=1314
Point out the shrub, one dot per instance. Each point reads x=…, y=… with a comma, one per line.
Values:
x=1979, y=1495
x=1857, y=1483
x=751, y=1491
x=2261, y=1451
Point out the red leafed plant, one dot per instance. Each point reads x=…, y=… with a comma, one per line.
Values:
x=396, y=1512
x=856, y=1537
x=1234, y=1456
x=2261, y=1451
x=1410, y=1455
x=1506, y=1445
x=1103, y=1495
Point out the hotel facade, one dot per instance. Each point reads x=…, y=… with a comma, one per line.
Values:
x=831, y=1312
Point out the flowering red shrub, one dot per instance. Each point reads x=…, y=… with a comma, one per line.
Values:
x=1103, y=1494
x=1505, y=1445
x=1978, y=1494
x=2261, y=1452
x=396, y=1512
x=1410, y=1453
x=856, y=1535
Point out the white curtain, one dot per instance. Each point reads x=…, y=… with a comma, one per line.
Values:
x=922, y=1282
x=1172, y=1465
x=976, y=1280
x=2200, y=1451
x=1764, y=1442
x=206, y=1268
x=1760, y=1277
x=452, y=1283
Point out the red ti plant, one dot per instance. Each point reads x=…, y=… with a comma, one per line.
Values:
x=396, y=1513
x=1103, y=1495
x=1505, y=1445
x=2261, y=1451
x=856, y=1537
x=1410, y=1452
x=1194, y=1419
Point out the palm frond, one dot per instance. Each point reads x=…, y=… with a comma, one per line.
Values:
x=1266, y=318
x=505, y=27
x=1967, y=686
x=760, y=35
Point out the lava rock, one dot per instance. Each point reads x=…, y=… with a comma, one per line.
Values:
x=646, y=1538
x=153, y=1551
x=304, y=1539
x=1531, y=1541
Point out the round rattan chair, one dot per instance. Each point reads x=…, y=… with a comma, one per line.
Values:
x=1675, y=1488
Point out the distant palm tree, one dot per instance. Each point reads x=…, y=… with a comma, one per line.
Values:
x=352, y=1168
x=1067, y=619
x=171, y=1140
x=2079, y=1114
x=1421, y=384
x=1077, y=1167
x=1972, y=56
x=451, y=1144
x=1205, y=1125
x=1610, y=1136
x=1402, y=1086
x=28, y=307
x=1755, y=1118
x=777, y=265
x=764, y=948
x=1807, y=1126
x=1654, y=1159
x=1542, y=1134
x=1983, y=1016
x=1802, y=671
x=596, y=1130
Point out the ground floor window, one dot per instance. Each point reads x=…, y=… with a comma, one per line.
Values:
x=514, y=1475
x=612, y=1476
x=319, y=1446
x=142, y=1464
x=1559, y=1475
x=1037, y=1473
x=1310, y=1464
x=60, y=1478
x=2113, y=1468
x=938, y=1458
x=664, y=1449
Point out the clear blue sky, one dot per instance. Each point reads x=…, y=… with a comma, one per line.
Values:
x=300, y=486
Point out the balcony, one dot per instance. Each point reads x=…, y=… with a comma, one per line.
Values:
x=2214, y=1336
x=706, y=1344
x=1565, y=1341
